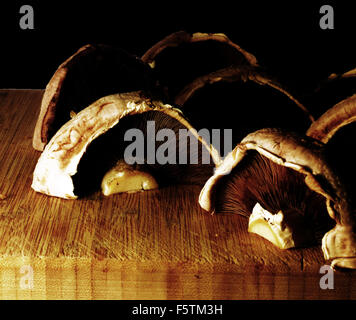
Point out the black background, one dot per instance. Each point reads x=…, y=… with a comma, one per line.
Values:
x=285, y=37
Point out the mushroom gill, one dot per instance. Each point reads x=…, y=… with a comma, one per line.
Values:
x=275, y=188
x=175, y=160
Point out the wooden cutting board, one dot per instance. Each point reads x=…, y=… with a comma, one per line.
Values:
x=149, y=245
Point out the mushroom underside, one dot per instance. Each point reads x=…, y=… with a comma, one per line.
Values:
x=176, y=159
x=276, y=188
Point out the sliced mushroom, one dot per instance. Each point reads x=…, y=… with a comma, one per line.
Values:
x=286, y=172
x=181, y=57
x=243, y=99
x=92, y=72
x=76, y=159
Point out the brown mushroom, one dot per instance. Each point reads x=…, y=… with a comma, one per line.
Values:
x=80, y=153
x=287, y=172
x=181, y=57
x=243, y=99
x=92, y=72
x=340, y=115
x=337, y=129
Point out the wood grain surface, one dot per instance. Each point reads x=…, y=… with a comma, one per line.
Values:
x=152, y=245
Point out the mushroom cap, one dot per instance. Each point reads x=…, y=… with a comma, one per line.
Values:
x=90, y=73
x=237, y=73
x=181, y=57
x=341, y=114
x=306, y=156
x=61, y=156
x=241, y=99
x=339, y=244
x=182, y=37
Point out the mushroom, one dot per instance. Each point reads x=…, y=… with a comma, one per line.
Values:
x=181, y=57
x=242, y=99
x=336, y=128
x=86, y=147
x=286, y=173
x=92, y=72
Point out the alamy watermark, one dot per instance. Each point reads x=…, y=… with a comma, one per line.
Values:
x=27, y=17
x=27, y=278
x=327, y=19
x=327, y=280
x=174, y=148
x=26, y=21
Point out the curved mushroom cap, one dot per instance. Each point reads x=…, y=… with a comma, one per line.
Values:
x=286, y=149
x=181, y=57
x=336, y=128
x=234, y=74
x=181, y=37
x=92, y=72
x=343, y=113
x=303, y=155
x=241, y=99
x=59, y=161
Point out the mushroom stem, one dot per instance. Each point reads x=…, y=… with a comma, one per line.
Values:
x=271, y=227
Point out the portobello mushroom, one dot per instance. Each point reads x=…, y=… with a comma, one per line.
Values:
x=241, y=99
x=287, y=173
x=181, y=57
x=94, y=71
x=85, y=148
x=337, y=129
